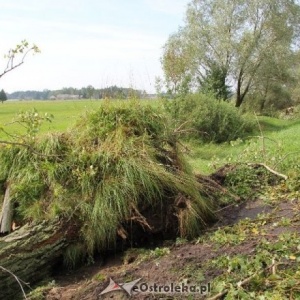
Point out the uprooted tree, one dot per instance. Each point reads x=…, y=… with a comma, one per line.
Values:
x=116, y=179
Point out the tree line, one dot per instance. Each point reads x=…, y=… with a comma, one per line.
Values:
x=88, y=92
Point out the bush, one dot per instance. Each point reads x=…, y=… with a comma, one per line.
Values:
x=209, y=119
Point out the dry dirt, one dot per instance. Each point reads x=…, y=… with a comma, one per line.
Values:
x=177, y=266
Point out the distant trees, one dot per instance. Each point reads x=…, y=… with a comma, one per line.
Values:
x=89, y=92
x=3, y=96
x=241, y=40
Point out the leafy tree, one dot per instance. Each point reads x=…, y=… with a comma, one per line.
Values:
x=90, y=91
x=294, y=86
x=176, y=64
x=273, y=85
x=3, y=96
x=235, y=36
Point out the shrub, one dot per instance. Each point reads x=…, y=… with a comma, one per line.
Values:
x=209, y=119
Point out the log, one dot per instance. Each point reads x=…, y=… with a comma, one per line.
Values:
x=30, y=253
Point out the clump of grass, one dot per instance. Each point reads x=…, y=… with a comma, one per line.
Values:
x=114, y=165
x=40, y=292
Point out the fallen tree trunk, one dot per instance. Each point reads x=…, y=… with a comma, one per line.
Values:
x=30, y=254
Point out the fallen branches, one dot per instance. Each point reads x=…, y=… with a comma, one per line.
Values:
x=18, y=280
x=212, y=187
x=243, y=282
x=285, y=177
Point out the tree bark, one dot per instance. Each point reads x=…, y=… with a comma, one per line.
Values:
x=30, y=253
x=6, y=213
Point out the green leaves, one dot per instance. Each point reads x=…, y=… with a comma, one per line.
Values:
x=32, y=121
x=242, y=38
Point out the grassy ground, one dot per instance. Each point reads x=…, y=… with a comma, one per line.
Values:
x=275, y=138
x=65, y=112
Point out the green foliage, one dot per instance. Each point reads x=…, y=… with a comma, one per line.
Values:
x=100, y=277
x=41, y=292
x=246, y=181
x=233, y=36
x=30, y=123
x=159, y=252
x=114, y=162
x=210, y=120
x=74, y=255
x=180, y=241
x=175, y=63
x=214, y=83
x=281, y=282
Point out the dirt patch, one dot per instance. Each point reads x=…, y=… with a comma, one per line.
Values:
x=188, y=263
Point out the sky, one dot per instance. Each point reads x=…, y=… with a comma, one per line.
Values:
x=88, y=42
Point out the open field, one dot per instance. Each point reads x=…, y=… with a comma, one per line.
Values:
x=65, y=112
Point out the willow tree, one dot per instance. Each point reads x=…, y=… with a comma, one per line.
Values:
x=236, y=36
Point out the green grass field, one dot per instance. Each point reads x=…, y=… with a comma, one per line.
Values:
x=65, y=112
x=281, y=135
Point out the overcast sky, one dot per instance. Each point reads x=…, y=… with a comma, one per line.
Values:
x=82, y=42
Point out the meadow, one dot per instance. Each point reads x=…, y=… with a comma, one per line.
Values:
x=65, y=112
x=280, y=135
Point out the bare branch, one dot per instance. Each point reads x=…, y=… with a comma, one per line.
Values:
x=11, y=65
x=19, y=281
